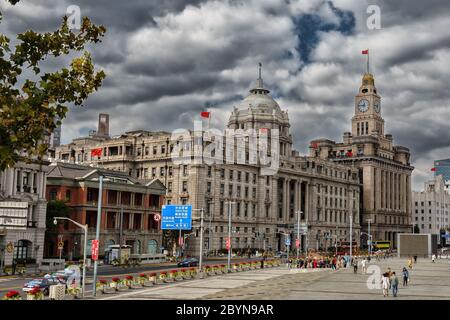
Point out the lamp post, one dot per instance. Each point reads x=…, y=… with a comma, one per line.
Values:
x=351, y=235
x=298, y=232
x=370, y=238
x=97, y=228
x=85, y=228
x=229, y=233
x=200, y=260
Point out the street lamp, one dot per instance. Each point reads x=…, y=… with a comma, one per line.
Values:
x=85, y=228
x=200, y=260
x=370, y=238
x=97, y=229
x=229, y=234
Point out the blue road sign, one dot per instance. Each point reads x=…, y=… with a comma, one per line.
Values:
x=176, y=217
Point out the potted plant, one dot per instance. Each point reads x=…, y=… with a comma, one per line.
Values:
x=8, y=270
x=35, y=294
x=101, y=285
x=152, y=277
x=172, y=276
x=128, y=280
x=74, y=291
x=115, y=283
x=12, y=295
x=163, y=276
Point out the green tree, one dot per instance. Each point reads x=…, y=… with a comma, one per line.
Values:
x=55, y=208
x=29, y=107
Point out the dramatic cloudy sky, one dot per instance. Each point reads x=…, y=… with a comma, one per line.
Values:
x=166, y=60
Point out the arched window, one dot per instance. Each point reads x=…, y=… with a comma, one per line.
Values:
x=22, y=250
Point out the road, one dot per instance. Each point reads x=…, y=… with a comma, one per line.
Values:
x=105, y=272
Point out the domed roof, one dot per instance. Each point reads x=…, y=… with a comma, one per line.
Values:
x=368, y=79
x=259, y=98
x=260, y=101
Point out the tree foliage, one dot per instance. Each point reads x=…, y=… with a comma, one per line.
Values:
x=55, y=208
x=30, y=109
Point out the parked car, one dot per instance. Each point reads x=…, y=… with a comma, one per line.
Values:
x=41, y=283
x=189, y=262
x=63, y=275
x=280, y=254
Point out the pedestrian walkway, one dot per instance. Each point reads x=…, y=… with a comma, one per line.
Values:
x=203, y=288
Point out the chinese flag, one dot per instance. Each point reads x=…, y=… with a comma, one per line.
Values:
x=96, y=152
x=349, y=154
x=433, y=169
x=365, y=51
x=314, y=145
x=204, y=114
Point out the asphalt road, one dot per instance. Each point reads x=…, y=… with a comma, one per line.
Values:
x=104, y=272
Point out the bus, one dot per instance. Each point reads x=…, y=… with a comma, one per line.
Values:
x=381, y=245
x=343, y=248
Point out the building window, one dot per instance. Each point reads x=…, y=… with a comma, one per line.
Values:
x=231, y=175
x=155, y=150
x=185, y=170
x=209, y=171
x=53, y=194
x=67, y=195
x=185, y=186
x=169, y=187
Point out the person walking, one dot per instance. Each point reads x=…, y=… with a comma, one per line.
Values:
x=433, y=258
x=385, y=284
x=394, y=284
x=355, y=265
x=410, y=264
x=405, y=274
x=415, y=259
x=364, y=266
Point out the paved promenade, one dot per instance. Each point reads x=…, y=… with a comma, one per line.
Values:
x=428, y=281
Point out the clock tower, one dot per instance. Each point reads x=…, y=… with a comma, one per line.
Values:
x=367, y=119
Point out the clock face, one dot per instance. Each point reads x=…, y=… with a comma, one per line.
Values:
x=377, y=106
x=363, y=105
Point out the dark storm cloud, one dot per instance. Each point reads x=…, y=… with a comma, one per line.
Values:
x=167, y=60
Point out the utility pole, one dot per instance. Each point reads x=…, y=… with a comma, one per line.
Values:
x=351, y=235
x=200, y=260
x=97, y=232
x=229, y=235
x=370, y=238
x=120, y=235
x=298, y=232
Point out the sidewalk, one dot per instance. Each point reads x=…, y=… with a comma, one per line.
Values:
x=208, y=288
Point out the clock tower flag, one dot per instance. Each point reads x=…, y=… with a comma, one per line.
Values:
x=366, y=52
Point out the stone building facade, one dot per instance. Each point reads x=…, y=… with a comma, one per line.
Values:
x=326, y=194
x=431, y=207
x=22, y=213
x=126, y=201
x=384, y=168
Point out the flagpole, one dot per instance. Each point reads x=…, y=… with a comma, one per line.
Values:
x=368, y=59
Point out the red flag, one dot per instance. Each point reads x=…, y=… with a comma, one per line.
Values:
x=433, y=169
x=314, y=145
x=365, y=51
x=263, y=130
x=349, y=154
x=204, y=114
x=96, y=152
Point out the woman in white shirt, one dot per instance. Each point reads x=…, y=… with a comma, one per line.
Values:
x=385, y=284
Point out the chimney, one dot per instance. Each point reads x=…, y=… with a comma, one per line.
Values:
x=103, y=125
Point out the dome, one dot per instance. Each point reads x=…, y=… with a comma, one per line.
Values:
x=368, y=79
x=259, y=100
